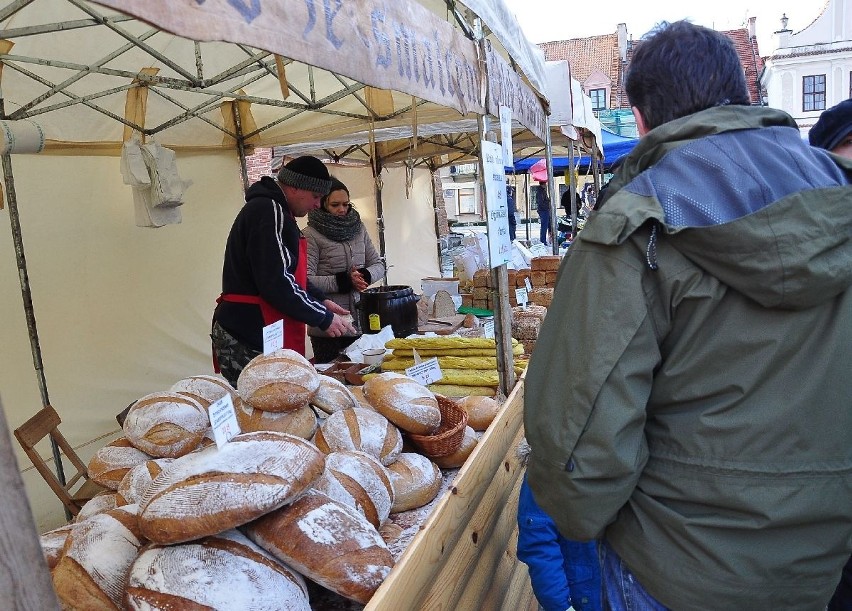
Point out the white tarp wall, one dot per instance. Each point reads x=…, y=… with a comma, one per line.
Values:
x=124, y=311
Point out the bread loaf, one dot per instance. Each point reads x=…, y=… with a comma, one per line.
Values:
x=360, y=430
x=101, y=502
x=360, y=481
x=358, y=394
x=112, y=462
x=416, y=481
x=280, y=381
x=301, y=422
x=457, y=458
x=137, y=480
x=53, y=543
x=225, y=571
x=333, y=396
x=481, y=411
x=405, y=402
x=205, y=389
x=166, y=424
x=328, y=542
x=92, y=572
x=210, y=491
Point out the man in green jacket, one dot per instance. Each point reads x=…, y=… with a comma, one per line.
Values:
x=689, y=400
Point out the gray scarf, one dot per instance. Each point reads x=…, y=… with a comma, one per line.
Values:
x=337, y=228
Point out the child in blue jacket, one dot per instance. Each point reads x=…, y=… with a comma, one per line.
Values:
x=564, y=574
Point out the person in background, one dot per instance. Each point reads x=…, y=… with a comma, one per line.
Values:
x=542, y=206
x=705, y=436
x=833, y=132
x=342, y=262
x=510, y=205
x=264, y=274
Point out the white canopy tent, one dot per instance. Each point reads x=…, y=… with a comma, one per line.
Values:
x=124, y=311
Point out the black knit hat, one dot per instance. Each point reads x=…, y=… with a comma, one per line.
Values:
x=833, y=126
x=306, y=173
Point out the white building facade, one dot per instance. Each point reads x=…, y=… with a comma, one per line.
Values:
x=811, y=70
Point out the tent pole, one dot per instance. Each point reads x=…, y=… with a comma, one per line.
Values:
x=380, y=214
x=436, y=178
x=551, y=187
x=26, y=295
x=572, y=185
x=241, y=146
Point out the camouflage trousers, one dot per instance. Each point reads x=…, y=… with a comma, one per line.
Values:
x=231, y=354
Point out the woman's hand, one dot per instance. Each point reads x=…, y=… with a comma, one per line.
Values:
x=357, y=280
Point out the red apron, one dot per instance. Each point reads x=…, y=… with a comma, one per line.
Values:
x=294, y=330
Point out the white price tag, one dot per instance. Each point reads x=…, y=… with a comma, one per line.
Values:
x=426, y=372
x=527, y=284
x=223, y=419
x=273, y=337
x=521, y=297
x=488, y=327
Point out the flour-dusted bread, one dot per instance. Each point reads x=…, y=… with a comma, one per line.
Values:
x=301, y=422
x=101, y=502
x=328, y=542
x=361, y=398
x=333, y=396
x=53, y=543
x=280, y=381
x=481, y=411
x=416, y=481
x=210, y=491
x=205, y=389
x=457, y=458
x=166, y=424
x=405, y=402
x=225, y=571
x=112, y=462
x=92, y=572
x=360, y=430
x=134, y=483
x=360, y=481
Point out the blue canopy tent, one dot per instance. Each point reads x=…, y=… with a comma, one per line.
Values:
x=614, y=148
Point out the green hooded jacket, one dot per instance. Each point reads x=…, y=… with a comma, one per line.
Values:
x=690, y=394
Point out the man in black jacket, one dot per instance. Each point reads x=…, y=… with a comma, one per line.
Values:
x=264, y=276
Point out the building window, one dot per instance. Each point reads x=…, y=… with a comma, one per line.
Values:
x=598, y=98
x=813, y=92
x=467, y=201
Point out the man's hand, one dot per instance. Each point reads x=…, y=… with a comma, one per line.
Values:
x=340, y=324
x=358, y=280
x=334, y=308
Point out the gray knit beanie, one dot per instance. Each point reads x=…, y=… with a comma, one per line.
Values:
x=307, y=173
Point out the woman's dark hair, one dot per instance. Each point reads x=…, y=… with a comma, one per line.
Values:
x=336, y=185
x=681, y=68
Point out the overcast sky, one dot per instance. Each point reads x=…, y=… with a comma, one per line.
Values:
x=547, y=20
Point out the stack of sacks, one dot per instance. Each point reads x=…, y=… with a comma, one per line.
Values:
x=189, y=524
x=526, y=324
x=469, y=364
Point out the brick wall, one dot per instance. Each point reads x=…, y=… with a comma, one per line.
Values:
x=441, y=205
x=259, y=164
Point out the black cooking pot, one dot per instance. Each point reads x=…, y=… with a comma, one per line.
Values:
x=394, y=305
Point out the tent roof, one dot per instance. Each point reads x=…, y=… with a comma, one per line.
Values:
x=615, y=147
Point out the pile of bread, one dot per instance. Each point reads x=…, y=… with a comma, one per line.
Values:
x=468, y=364
x=298, y=494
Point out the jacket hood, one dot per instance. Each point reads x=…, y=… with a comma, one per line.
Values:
x=266, y=187
x=739, y=193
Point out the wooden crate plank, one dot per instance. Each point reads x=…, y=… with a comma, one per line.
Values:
x=417, y=569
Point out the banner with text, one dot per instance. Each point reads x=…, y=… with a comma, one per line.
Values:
x=505, y=88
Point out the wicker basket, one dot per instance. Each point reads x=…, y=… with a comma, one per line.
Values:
x=448, y=438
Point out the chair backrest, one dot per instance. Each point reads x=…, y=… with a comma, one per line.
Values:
x=46, y=424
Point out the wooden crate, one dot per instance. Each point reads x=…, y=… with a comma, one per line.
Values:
x=465, y=556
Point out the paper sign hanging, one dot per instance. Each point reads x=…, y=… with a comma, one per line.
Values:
x=506, y=135
x=494, y=181
x=223, y=420
x=488, y=328
x=426, y=372
x=273, y=337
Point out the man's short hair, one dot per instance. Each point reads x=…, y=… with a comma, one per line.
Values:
x=681, y=68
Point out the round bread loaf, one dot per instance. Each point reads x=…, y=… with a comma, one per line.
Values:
x=212, y=490
x=481, y=411
x=101, y=502
x=133, y=484
x=457, y=458
x=205, y=389
x=225, y=571
x=301, y=422
x=111, y=463
x=360, y=430
x=280, y=381
x=408, y=404
x=358, y=393
x=166, y=424
x=327, y=542
x=360, y=481
x=333, y=396
x=416, y=481
x=53, y=543
x=92, y=572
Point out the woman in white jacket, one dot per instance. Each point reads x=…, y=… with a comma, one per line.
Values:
x=342, y=262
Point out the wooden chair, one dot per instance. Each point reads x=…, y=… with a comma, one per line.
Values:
x=46, y=424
